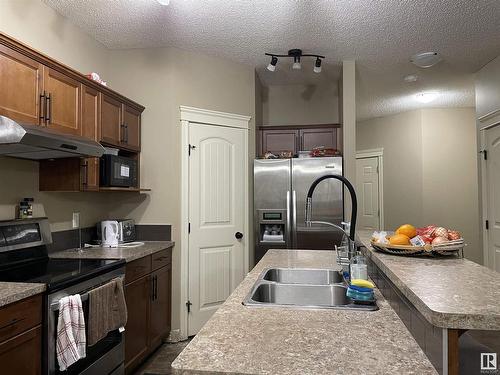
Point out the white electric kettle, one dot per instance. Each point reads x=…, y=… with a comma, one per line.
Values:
x=109, y=233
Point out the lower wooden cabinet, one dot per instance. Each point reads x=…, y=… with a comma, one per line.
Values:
x=22, y=353
x=148, y=291
x=21, y=337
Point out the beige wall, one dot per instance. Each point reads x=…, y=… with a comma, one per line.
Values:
x=401, y=138
x=300, y=104
x=160, y=79
x=430, y=172
x=450, y=178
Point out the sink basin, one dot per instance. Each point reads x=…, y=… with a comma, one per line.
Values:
x=272, y=294
x=304, y=295
x=303, y=276
x=303, y=288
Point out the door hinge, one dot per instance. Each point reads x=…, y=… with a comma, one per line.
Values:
x=189, y=227
x=191, y=147
x=485, y=154
x=188, y=305
x=487, y=224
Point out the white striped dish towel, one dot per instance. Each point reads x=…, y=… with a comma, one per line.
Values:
x=71, y=342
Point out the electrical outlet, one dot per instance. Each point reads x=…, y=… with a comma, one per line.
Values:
x=76, y=220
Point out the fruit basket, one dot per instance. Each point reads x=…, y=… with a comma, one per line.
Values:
x=446, y=249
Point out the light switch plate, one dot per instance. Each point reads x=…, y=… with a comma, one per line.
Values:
x=76, y=220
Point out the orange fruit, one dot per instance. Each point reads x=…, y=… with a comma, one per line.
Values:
x=408, y=230
x=399, y=239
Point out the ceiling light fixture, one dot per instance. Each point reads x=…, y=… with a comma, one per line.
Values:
x=425, y=59
x=426, y=97
x=296, y=54
x=317, y=65
x=164, y=2
x=272, y=65
x=411, y=78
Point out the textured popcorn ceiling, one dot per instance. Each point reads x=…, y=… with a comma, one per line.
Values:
x=379, y=35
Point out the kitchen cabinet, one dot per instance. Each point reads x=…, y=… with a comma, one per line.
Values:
x=276, y=139
x=62, y=98
x=148, y=294
x=111, y=121
x=131, y=129
x=91, y=122
x=318, y=137
x=137, y=295
x=279, y=140
x=20, y=86
x=21, y=336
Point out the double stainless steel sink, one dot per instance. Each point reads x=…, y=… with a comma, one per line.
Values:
x=303, y=288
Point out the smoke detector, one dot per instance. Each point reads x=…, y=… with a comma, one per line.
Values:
x=425, y=59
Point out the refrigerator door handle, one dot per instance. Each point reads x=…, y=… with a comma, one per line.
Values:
x=288, y=221
x=294, y=218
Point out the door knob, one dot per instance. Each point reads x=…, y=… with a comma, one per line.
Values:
x=238, y=235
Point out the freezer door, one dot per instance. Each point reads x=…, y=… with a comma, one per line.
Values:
x=327, y=202
x=272, y=183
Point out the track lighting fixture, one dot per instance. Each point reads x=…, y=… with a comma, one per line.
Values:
x=296, y=54
x=317, y=65
x=272, y=65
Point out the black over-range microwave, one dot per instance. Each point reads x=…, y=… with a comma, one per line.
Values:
x=118, y=171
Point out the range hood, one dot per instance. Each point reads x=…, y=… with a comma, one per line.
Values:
x=39, y=143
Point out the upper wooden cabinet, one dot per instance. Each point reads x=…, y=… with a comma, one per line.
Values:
x=20, y=86
x=91, y=123
x=62, y=99
x=131, y=129
x=111, y=120
x=277, y=139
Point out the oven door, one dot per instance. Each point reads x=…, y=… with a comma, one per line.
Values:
x=106, y=356
x=103, y=358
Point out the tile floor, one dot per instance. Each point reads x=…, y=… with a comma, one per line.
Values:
x=159, y=362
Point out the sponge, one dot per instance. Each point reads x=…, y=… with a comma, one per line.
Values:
x=362, y=283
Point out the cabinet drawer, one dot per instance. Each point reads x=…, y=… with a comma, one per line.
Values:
x=137, y=269
x=161, y=259
x=20, y=316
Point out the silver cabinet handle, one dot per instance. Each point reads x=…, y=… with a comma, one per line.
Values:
x=294, y=218
x=288, y=220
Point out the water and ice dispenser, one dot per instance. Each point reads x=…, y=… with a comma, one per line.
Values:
x=272, y=226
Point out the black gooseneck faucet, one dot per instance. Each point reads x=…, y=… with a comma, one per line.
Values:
x=354, y=209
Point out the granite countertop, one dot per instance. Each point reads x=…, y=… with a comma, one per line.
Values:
x=271, y=340
x=127, y=253
x=13, y=292
x=451, y=293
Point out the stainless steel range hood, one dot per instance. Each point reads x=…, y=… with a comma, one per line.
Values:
x=39, y=143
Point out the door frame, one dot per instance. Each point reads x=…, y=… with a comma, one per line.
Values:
x=379, y=154
x=190, y=115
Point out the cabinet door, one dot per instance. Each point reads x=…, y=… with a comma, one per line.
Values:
x=91, y=115
x=22, y=353
x=137, y=297
x=276, y=141
x=131, y=129
x=62, y=102
x=160, y=304
x=20, y=86
x=318, y=137
x=111, y=120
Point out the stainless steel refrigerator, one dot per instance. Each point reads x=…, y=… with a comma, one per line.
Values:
x=280, y=190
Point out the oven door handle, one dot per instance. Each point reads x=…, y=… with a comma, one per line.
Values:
x=55, y=305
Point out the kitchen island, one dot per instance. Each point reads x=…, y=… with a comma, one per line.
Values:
x=279, y=340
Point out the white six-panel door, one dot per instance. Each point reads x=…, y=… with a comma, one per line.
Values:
x=367, y=191
x=492, y=138
x=216, y=213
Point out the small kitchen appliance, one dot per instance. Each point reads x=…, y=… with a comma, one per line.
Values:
x=119, y=171
x=126, y=230
x=109, y=233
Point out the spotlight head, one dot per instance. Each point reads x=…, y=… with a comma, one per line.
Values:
x=272, y=65
x=317, y=65
x=296, y=63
